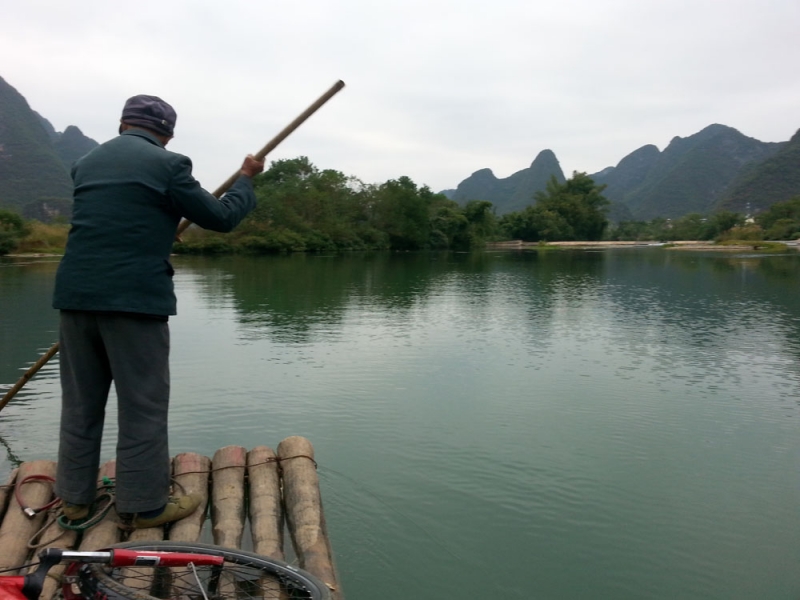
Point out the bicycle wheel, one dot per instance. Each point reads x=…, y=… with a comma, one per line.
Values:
x=243, y=576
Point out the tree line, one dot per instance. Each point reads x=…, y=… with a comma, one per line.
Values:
x=301, y=208
x=304, y=209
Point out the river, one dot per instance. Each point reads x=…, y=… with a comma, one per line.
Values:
x=570, y=424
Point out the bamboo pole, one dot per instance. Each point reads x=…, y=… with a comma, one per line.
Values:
x=28, y=374
x=266, y=512
x=304, y=512
x=273, y=143
x=227, y=492
x=17, y=528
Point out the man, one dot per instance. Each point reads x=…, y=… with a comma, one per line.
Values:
x=115, y=292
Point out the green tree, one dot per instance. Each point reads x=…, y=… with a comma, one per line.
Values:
x=482, y=222
x=630, y=231
x=573, y=210
x=721, y=222
x=689, y=227
x=781, y=221
x=401, y=211
x=12, y=229
x=449, y=227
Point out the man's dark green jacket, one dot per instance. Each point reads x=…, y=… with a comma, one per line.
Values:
x=130, y=193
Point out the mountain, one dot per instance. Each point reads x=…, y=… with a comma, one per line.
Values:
x=691, y=175
x=714, y=169
x=35, y=159
x=762, y=184
x=30, y=167
x=629, y=174
x=512, y=193
x=72, y=144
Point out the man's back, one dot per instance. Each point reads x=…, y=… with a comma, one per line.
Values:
x=130, y=194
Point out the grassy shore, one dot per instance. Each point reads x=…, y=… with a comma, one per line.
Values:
x=729, y=245
x=44, y=239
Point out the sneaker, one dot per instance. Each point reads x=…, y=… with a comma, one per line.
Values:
x=176, y=509
x=75, y=512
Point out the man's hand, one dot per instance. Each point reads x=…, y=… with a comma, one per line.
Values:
x=251, y=166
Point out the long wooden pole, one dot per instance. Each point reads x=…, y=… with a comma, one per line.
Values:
x=28, y=374
x=335, y=88
x=271, y=145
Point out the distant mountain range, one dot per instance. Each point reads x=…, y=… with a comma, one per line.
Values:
x=35, y=159
x=717, y=168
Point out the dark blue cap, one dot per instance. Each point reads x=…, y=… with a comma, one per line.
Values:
x=150, y=112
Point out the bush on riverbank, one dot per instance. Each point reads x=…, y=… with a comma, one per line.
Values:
x=43, y=238
x=12, y=229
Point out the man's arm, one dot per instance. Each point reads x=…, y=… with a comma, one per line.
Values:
x=197, y=205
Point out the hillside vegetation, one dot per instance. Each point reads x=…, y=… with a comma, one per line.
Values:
x=776, y=179
x=30, y=168
x=689, y=176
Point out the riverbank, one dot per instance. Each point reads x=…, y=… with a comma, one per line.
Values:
x=735, y=246
x=678, y=245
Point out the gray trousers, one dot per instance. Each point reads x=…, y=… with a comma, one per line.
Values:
x=133, y=352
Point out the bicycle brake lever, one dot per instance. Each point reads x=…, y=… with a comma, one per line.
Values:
x=34, y=582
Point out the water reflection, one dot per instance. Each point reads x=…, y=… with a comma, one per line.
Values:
x=28, y=323
x=710, y=301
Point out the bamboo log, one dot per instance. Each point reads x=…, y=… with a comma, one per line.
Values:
x=17, y=528
x=149, y=534
x=273, y=143
x=141, y=578
x=191, y=471
x=227, y=492
x=55, y=537
x=6, y=492
x=107, y=531
x=266, y=512
x=304, y=512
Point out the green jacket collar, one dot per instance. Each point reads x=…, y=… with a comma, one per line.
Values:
x=144, y=134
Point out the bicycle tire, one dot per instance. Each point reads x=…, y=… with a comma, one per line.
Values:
x=244, y=576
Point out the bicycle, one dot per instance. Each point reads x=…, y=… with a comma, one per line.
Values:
x=166, y=571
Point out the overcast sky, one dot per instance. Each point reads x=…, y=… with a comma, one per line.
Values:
x=436, y=89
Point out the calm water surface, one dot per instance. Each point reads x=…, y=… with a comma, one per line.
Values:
x=616, y=424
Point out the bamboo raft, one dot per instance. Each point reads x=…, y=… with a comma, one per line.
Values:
x=261, y=489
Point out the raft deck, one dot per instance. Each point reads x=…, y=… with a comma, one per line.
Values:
x=260, y=491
